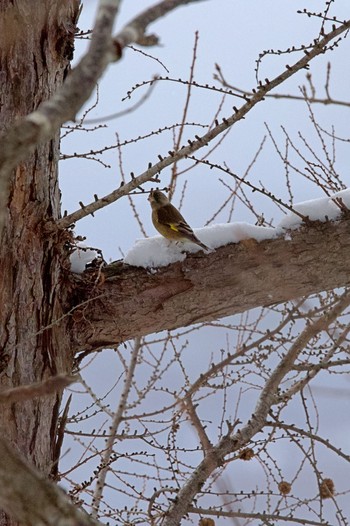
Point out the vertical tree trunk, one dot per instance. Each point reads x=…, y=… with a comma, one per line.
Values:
x=36, y=44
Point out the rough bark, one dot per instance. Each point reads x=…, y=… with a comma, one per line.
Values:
x=133, y=301
x=35, y=48
x=31, y=498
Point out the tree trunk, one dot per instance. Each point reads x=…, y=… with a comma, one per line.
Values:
x=36, y=43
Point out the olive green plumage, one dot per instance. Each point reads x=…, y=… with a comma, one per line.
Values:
x=168, y=220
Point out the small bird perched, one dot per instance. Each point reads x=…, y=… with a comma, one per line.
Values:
x=168, y=220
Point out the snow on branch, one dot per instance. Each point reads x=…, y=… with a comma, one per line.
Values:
x=157, y=252
x=132, y=301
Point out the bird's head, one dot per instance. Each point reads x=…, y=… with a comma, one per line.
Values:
x=157, y=198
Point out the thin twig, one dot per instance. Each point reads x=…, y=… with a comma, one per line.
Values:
x=37, y=389
x=261, y=517
x=117, y=419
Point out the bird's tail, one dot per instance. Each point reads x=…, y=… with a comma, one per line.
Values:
x=202, y=245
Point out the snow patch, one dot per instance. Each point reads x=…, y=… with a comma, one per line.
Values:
x=321, y=209
x=81, y=257
x=159, y=252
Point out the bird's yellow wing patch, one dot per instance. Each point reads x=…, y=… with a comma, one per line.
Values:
x=173, y=227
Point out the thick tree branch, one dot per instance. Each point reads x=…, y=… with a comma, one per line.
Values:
x=133, y=302
x=29, y=497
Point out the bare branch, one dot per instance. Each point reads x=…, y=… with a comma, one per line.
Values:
x=264, y=517
x=311, y=373
x=122, y=113
x=303, y=433
x=197, y=424
x=230, y=443
x=27, y=392
x=204, y=140
x=302, y=98
x=117, y=418
x=135, y=30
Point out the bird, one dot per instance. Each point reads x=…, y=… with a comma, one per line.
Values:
x=168, y=220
